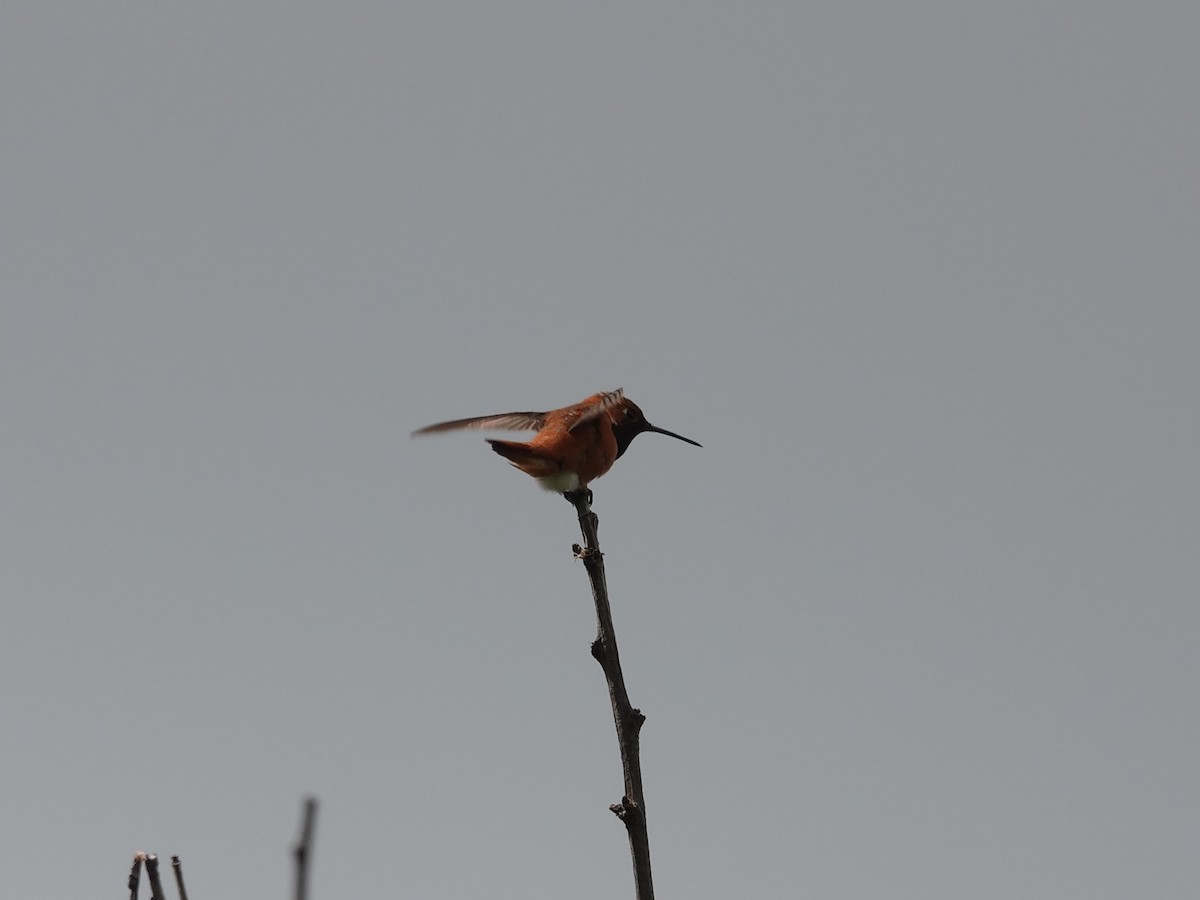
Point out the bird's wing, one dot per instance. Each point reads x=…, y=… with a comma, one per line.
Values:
x=514, y=421
x=604, y=402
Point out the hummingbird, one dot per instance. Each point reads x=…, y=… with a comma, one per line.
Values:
x=573, y=445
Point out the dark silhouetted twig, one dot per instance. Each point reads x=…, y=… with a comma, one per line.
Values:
x=178, y=867
x=156, y=888
x=632, y=808
x=303, y=849
x=135, y=875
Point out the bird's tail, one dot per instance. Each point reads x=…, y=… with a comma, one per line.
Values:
x=527, y=458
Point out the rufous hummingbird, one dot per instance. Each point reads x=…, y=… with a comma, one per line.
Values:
x=573, y=445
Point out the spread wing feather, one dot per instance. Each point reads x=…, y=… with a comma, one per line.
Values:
x=514, y=421
x=607, y=401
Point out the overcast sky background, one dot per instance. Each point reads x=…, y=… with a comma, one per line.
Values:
x=919, y=620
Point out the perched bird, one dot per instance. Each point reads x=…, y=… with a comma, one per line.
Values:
x=573, y=445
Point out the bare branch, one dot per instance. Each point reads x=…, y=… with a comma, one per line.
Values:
x=628, y=720
x=178, y=867
x=135, y=875
x=156, y=888
x=303, y=848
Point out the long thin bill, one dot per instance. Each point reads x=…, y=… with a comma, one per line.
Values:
x=678, y=437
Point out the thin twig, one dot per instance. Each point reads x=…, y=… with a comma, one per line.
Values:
x=632, y=808
x=135, y=875
x=303, y=849
x=178, y=867
x=156, y=888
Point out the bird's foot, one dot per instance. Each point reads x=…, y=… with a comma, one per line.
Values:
x=575, y=496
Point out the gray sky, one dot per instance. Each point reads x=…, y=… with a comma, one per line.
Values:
x=920, y=619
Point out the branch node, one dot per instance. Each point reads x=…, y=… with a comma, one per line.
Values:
x=627, y=810
x=590, y=555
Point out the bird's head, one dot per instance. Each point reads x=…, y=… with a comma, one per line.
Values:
x=628, y=422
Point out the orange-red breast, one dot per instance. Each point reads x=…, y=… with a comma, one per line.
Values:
x=573, y=445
